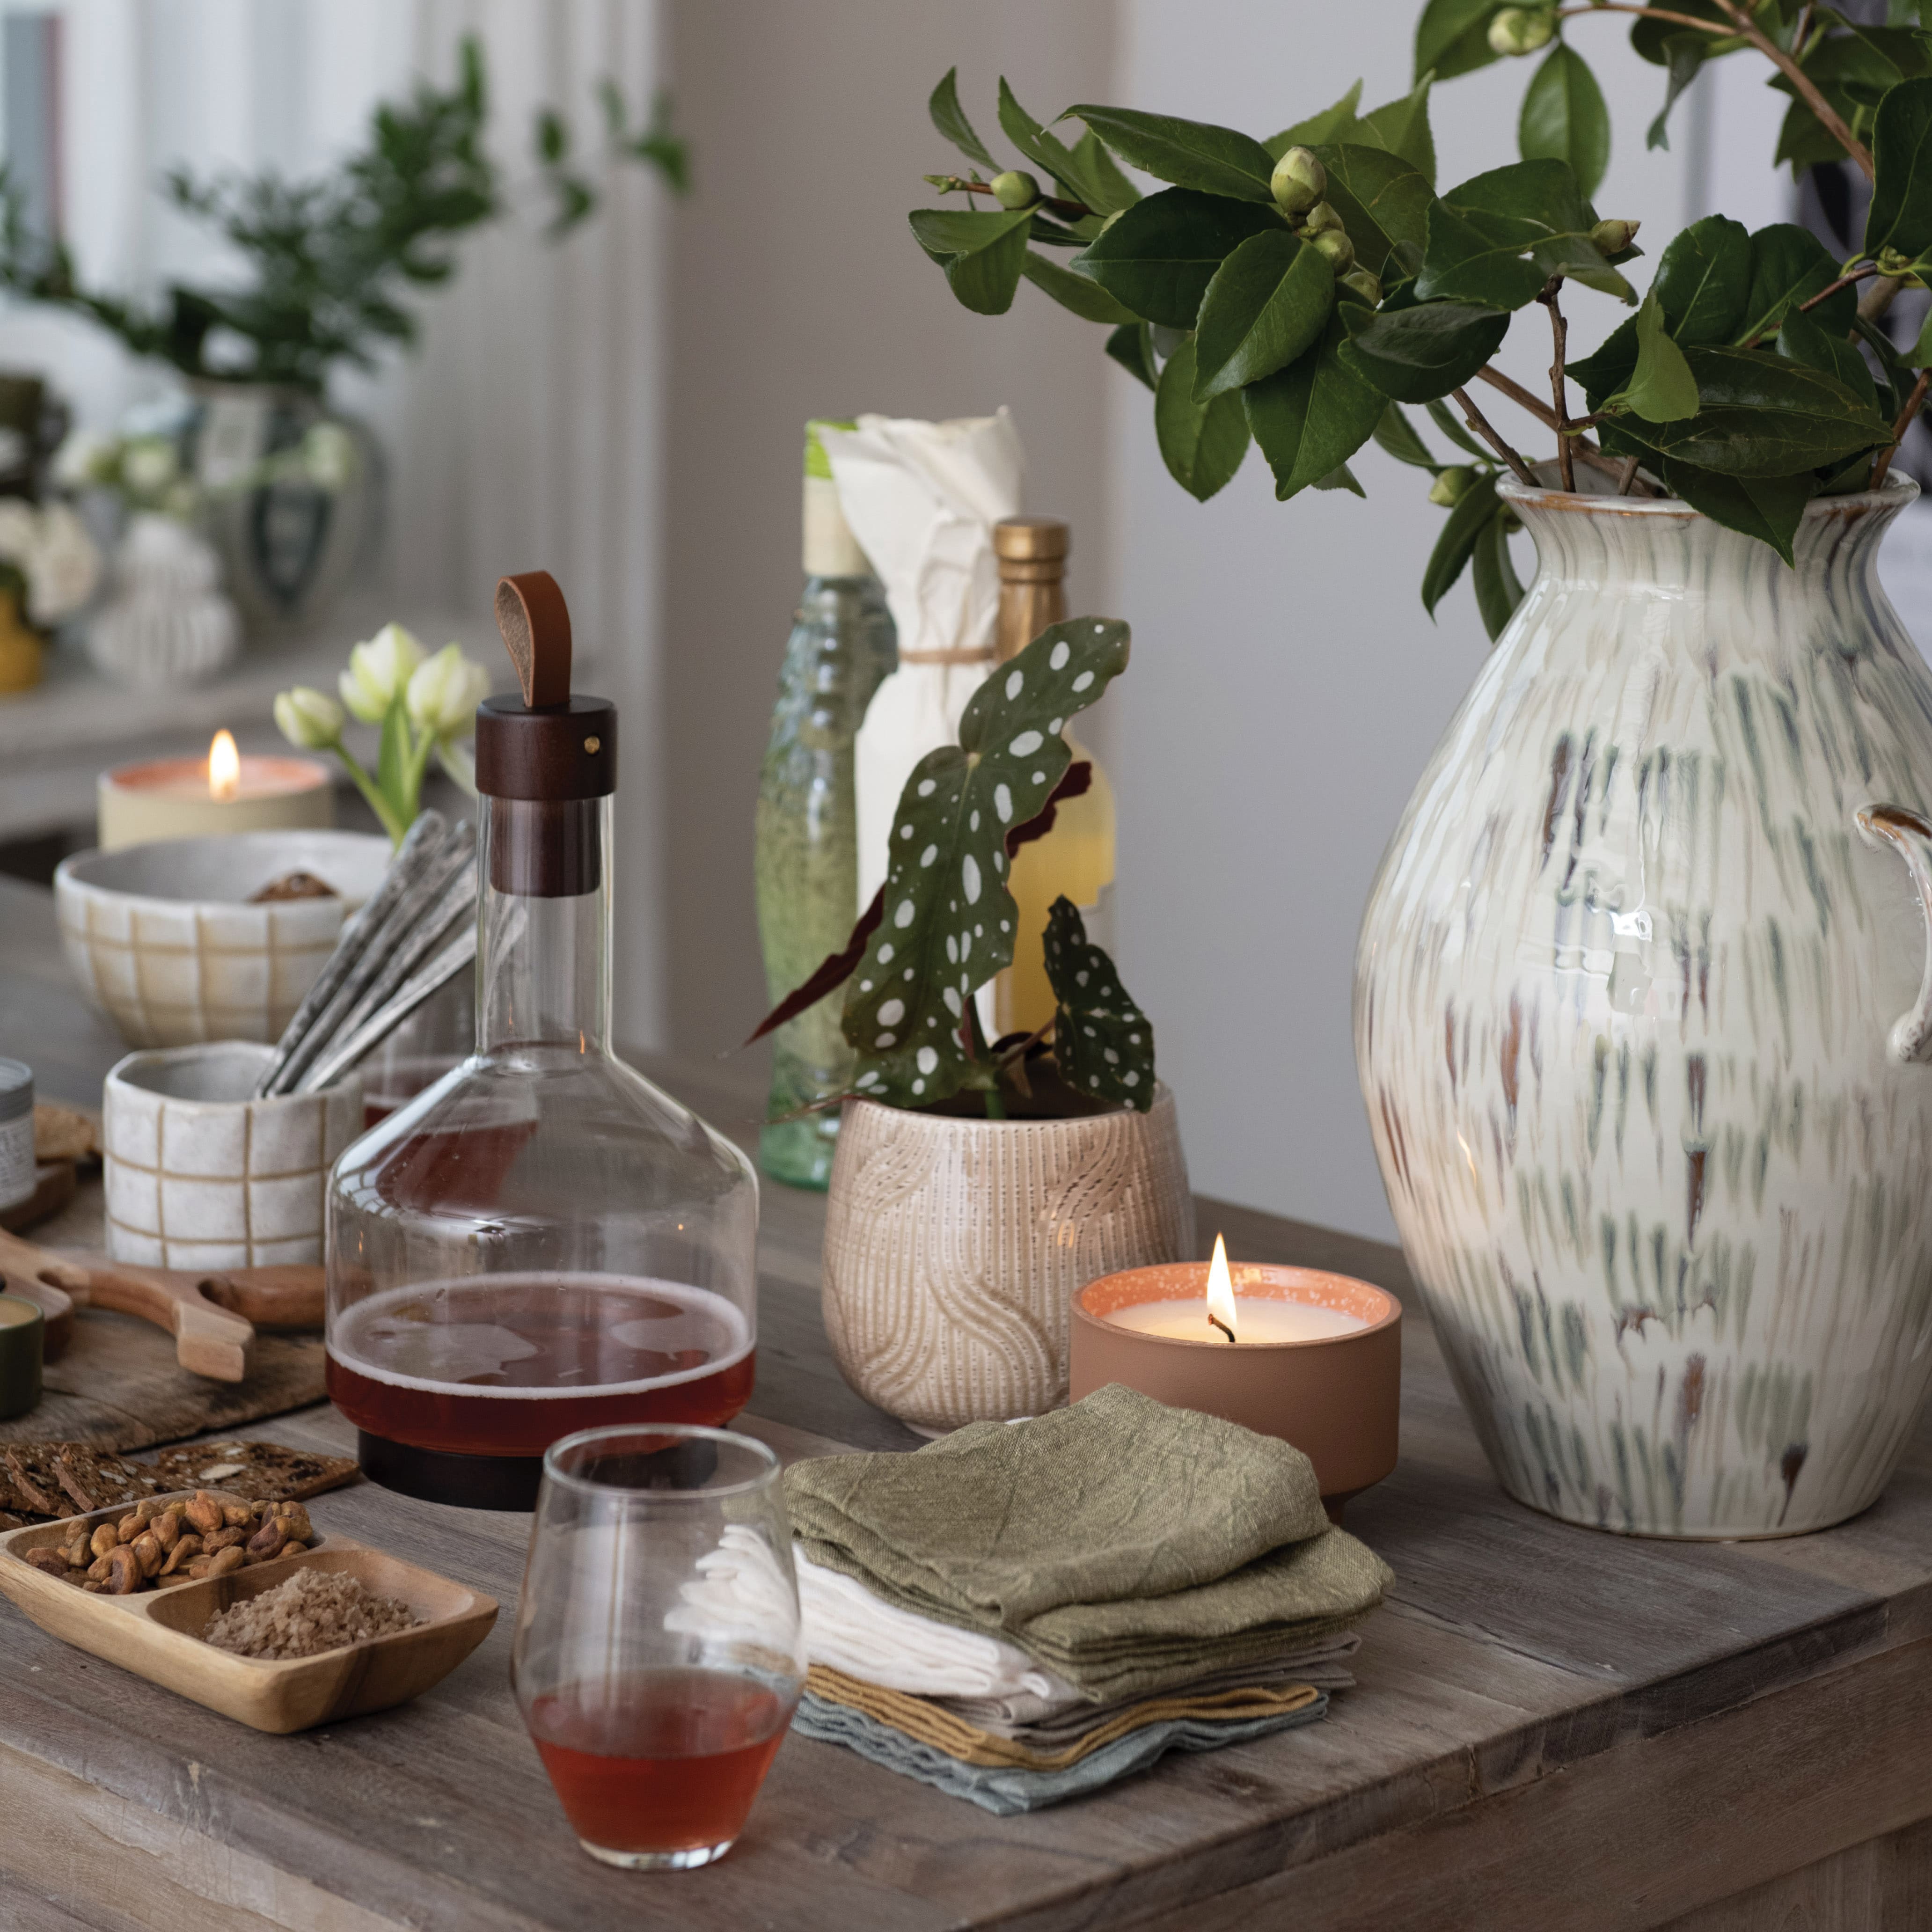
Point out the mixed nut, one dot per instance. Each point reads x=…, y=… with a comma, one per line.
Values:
x=161, y=1542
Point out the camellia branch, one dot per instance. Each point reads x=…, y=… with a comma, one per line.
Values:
x=1559, y=332
x=1914, y=403
x=1741, y=25
x=1584, y=449
x=1067, y=211
x=1807, y=88
x=1479, y=424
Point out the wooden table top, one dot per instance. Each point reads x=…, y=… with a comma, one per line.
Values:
x=1552, y=1728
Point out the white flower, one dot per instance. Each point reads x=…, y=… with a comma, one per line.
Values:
x=444, y=692
x=149, y=464
x=328, y=457
x=87, y=457
x=378, y=670
x=308, y=718
x=63, y=568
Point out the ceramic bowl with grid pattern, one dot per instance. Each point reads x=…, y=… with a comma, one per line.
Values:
x=163, y=939
x=199, y=1176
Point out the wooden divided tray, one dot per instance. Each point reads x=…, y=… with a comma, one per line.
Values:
x=156, y=1633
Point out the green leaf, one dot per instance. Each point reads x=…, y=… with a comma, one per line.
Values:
x=1401, y=127
x=1341, y=477
x=1920, y=354
x=1160, y=256
x=1703, y=281
x=1268, y=301
x=1477, y=507
x=1332, y=123
x=1610, y=366
x=1396, y=434
x=1202, y=443
x=1311, y=417
x=1103, y=1042
x=1063, y=163
x=1768, y=508
x=1081, y=293
x=1762, y=416
x=950, y=117
x=1419, y=354
x=1189, y=154
x=1802, y=340
x=1498, y=589
x=1564, y=118
x=1132, y=346
x=1685, y=53
x=1662, y=388
x=982, y=254
x=1901, y=202
x=1101, y=171
x=552, y=137
x=949, y=917
x=1897, y=381
x=1652, y=38
x=1788, y=265
x=1457, y=433
x=1381, y=200
x=1499, y=236
x=1453, y=38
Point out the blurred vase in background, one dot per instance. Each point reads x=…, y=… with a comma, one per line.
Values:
x=806, y=856
x=166, y=622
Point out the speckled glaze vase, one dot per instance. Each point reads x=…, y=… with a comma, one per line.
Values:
x=954, y=1248
x=1642, y=1004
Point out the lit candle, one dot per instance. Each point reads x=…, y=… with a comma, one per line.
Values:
x=190, y=798
x=1220, y=1315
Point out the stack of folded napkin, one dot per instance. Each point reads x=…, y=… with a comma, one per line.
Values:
x=1025, y=1611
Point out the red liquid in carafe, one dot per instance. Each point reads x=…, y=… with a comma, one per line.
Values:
x=659, y=1760
x=505, y=1365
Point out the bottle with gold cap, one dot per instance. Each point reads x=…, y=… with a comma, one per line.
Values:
x=1076, y=857
x=806, y=862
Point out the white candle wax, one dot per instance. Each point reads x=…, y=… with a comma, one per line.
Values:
x=1261, y=1319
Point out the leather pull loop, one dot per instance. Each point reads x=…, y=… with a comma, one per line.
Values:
x=534, y=621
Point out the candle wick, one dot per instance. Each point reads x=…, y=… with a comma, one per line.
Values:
x=1223, y=1326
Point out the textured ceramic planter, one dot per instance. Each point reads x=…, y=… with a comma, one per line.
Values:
x=1642, y=995
x=953, y=1249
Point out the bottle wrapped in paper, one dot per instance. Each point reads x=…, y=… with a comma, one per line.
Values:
x=922, y=498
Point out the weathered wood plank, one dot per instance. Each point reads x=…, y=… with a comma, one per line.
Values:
x=1884, y=1883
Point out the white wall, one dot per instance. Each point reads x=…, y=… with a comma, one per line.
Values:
x=1287, y=686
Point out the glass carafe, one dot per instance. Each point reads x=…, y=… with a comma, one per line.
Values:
x=543, y=1241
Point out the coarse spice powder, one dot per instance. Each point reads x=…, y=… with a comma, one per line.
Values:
x=313, y=1611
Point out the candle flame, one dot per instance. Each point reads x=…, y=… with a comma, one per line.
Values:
x=1221, y=1288
x=224, y=766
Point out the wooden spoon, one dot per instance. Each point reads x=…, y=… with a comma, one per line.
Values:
x=212, y=1316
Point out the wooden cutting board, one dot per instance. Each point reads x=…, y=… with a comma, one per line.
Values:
x=118, y=1386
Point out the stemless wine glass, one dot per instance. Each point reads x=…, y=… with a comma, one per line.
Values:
x=657, y=1657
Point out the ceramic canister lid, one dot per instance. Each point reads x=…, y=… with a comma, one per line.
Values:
x=17, y=1089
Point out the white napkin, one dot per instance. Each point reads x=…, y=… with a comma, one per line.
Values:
x=741, y=1596
x=922, y=498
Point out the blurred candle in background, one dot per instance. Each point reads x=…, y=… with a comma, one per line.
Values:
x=191, y=798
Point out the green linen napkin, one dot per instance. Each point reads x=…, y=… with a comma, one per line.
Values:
x=1128, y=1545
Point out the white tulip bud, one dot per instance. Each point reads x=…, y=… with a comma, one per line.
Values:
x=308, y=718
x=444, y=692
x=379, y=671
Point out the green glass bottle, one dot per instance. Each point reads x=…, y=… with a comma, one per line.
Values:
x=806, y=851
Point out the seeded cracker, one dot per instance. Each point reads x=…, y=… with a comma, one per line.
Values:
x=263, y=1471
x=62, y=1479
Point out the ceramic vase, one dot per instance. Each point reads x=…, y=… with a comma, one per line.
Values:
x=954, y=1247
x=165, y=623
x=1642, y=1002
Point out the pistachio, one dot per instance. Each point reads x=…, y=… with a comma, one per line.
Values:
x=165, y=1530
x=239, y=1516
x=219, y=1540
x=267, y=1541
x=97, y=1570
x=198, y=1568
x=106, y=1536
x=186, y=1549
x=148, y=1553
x=226, y=1561
x=205, y=1512
x=124, y=1571
x=51, y=1560
x=295, y=1519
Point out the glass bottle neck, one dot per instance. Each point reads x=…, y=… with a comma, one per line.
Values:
x=543, y=959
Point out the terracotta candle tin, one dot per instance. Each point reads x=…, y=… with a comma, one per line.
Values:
x=1337, y=1398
